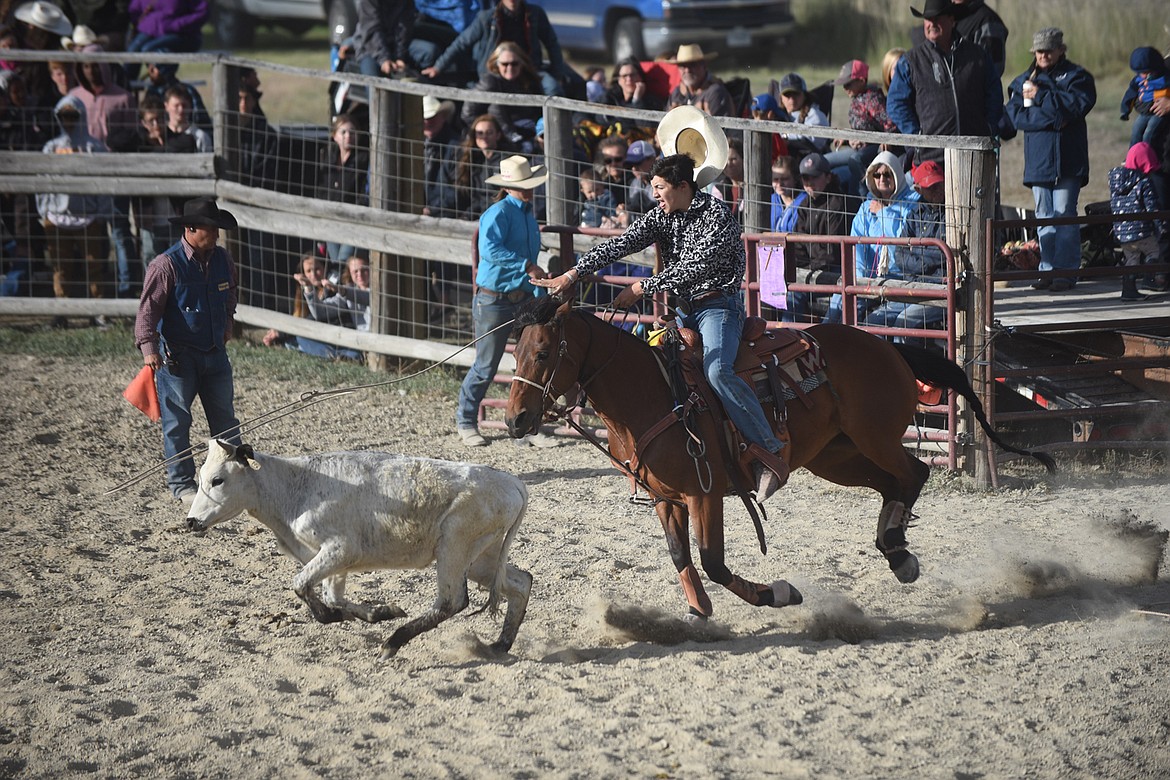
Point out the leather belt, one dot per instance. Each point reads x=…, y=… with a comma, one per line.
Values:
x=515, y=296
x=707, y=296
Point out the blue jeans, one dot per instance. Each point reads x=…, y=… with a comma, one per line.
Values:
x=720, y=324
x=898, y=314
x=185, y=374
x=1145, y=128
x=1060, y=245
x=172, y=42
x=125, y=247
x=487, y=312
x=328, y=351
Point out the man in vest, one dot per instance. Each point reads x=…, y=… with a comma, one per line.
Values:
x=184, y=322
x=945, y=85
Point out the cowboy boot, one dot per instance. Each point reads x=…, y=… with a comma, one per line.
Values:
x=770, y=471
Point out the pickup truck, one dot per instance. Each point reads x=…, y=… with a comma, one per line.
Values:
x=646, y=29
x=235, y=21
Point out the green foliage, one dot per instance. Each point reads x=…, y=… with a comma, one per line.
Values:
x=36, y=338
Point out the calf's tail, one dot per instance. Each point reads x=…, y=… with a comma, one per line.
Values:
x=934, y=369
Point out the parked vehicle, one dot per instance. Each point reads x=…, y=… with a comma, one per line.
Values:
x=235, y=21
x=648, y=28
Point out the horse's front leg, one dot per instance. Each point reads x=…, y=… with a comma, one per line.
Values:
x=674, y=525
x=707, y=521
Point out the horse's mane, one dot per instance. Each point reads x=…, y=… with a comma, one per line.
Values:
x=537, y=311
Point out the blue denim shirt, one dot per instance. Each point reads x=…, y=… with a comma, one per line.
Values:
x=509, y=241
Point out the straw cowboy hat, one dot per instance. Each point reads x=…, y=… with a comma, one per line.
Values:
x=516, y=174
x=46, y=16
x=687, y=130
x=692, y=52
x=202, y=212
x=82, y=37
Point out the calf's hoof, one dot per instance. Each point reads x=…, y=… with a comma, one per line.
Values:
x=380, y=612
x=388, y=651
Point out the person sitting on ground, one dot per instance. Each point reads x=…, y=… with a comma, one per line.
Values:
x=697, y=87
x=925, y=219
x=509, y=72
x=1131, y=191
x=318, y=301
x=354, y=291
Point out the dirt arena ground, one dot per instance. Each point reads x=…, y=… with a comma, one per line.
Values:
x=134, y=648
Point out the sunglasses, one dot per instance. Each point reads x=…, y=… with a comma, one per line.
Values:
x=613, y=160
x=883, y=175
x=508, y=63
x=627, y=75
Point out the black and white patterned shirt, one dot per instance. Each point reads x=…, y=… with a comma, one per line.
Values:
x=702, y=249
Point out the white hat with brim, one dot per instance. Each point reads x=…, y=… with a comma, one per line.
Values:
x=517, y=174
x=46, y=16
x=432, y=107
x=692, y=52
x=82, y=37
x=687, y=130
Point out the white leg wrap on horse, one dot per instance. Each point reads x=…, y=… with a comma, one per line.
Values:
x=784, y=595
x=893, y=515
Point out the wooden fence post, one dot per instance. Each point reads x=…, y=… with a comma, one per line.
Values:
x=970, y=182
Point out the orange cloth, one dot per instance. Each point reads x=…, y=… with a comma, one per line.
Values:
x=928, y=395
x=142, y=393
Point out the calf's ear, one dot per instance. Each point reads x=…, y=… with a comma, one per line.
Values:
x=246, y=455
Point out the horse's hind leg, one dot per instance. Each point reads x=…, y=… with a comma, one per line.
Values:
x=707, y=514
x=899, y=482
x=674, y=521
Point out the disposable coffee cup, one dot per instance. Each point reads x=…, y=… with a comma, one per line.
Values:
x=1027, y=100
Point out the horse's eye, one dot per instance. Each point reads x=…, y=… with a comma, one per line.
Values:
x=542, y=356
x=217, y=482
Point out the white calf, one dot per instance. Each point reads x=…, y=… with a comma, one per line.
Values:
x=360, y=511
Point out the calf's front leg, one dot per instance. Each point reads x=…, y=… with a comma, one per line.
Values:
x=328, y=561
x=334, y=588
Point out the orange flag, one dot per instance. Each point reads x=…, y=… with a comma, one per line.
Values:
x=142, y=393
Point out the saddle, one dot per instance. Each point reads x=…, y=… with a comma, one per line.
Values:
x=779, y=365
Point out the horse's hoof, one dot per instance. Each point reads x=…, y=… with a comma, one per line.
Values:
x=785, y=594
x=694, y=617
x=908, y=571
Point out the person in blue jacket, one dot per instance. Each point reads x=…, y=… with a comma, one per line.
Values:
x=1048, y=103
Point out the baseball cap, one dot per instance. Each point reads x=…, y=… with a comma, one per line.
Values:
x=927, y=174
x=639, y=151
x=540, y=126
x=814, y=164
x=851, y=71
x=792, y=82
x=765, y=102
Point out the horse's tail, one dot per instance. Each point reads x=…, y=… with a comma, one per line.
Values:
x=934, y=369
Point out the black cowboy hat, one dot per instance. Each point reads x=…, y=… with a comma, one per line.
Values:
x=933, y=8
x=202, y=212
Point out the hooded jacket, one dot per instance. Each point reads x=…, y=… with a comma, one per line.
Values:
x=112, y=113
x=874, y=260
x=482, y=36
x=65, y=210
x=1132, y=192
x=1144, y=90
x=1056, y=140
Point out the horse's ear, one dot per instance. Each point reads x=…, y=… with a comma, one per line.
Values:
x=564, y=308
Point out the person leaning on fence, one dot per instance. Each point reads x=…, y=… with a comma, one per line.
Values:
x=703, y=264
x=826, y=211
x=440, y=149
x=343, y=170
x=1048, y=103
x=926, y=218
x=509, y=242
x=1132, y=192
x=75, y=224
x=945, y=85
x=185, y=319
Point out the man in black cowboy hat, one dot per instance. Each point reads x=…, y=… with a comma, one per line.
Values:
x=945, y=85
x=184, y=321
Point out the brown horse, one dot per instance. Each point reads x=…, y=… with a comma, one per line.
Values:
x=852, y=435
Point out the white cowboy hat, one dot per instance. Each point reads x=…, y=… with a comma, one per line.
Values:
x=516, y=174
x=46, y=16
x=692, y=52
x=433, y=106
x=82, y=37
x=687, y=130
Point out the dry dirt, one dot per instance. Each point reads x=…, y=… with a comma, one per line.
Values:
x=135, y=648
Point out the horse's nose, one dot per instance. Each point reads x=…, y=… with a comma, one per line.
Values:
x=518, y=425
